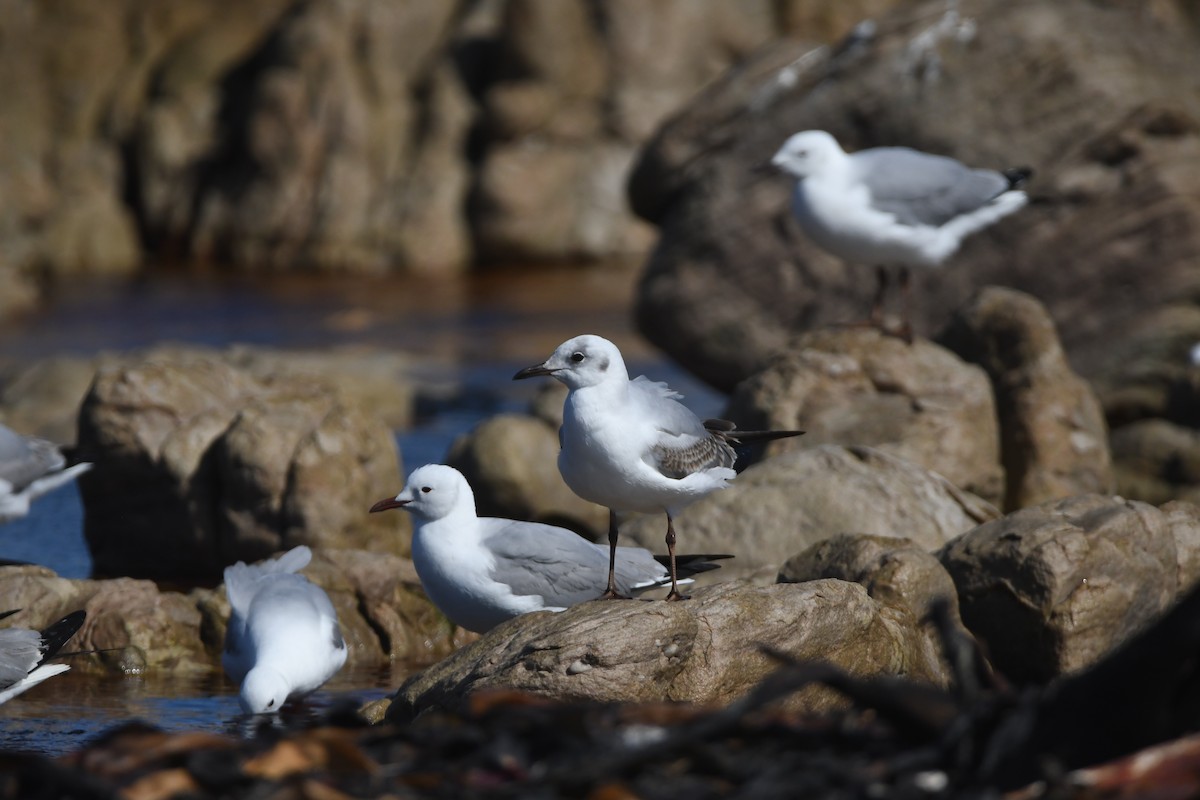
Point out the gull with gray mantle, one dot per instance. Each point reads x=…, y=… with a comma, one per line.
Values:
x=481, y=571
x=629, y=445
x=29, y=468
x=892, y=205
x=283, y=640
x=24, y=653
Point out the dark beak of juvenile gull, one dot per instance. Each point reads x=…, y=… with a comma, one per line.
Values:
x=533, y=372
x=389, y=503
x=765, y=169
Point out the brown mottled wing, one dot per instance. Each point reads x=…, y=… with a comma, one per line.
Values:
x=679, y=462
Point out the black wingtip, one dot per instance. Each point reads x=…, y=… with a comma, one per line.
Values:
x=1017, y=176
x=58, y=634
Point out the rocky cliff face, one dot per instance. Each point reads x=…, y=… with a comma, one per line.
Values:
x=364, y=136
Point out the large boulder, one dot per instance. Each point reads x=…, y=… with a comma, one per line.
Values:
x=1052, y=429
x=1101, y=100
x=1053, y=588
x=786, y=503
x=43, y=397
x=199, y=464
x=704, y=650
x=895, y=572
x=856, y=386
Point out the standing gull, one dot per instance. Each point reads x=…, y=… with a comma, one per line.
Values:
x=283, y=639
x=481, y=571
x=29, y=468
x=892, y=205
x=24, y=653
x=630, y=446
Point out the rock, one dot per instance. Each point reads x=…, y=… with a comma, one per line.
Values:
x=894, y=571
x=511, y=463
x=856, y=386
x=1156, y=460
x=789, y=502
x=327, y=161
x=1053, y=588
x=42, y=398
x=732, y=278
x=136, y=626
x=199, y=464
x=580, y=87
x=1052, y=430
x=705, y=650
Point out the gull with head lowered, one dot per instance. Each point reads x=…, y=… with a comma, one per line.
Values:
x=481, y=571
x=629, y=445
x=892, y=205
x=283, y=640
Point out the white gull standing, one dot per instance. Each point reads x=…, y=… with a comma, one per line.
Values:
x=24, y=652
x=892, y=205
x=481, y=571
x=630, y=445
x=29, y=468
x=283, y=640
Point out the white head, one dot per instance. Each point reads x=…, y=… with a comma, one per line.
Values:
x=264, y=691
x=432, y=492
x=581, y=362
x=808, y=153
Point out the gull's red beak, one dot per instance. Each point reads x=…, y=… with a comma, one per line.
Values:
x=389, y=502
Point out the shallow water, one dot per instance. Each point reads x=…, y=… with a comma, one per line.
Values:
x=472, y=334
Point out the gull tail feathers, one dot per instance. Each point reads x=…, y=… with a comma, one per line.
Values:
x=730, y=433
x=693, y=563
x=241, y=577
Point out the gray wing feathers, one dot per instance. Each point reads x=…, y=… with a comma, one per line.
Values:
x=539, y=560
x=20, y=652
x=560, y=567
x=923, y=189
x=684, y=445
x=24, y=459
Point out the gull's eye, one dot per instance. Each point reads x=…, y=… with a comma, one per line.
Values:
x=577, y=357
x=426, y=489
x=271, y=704
x=801, y=154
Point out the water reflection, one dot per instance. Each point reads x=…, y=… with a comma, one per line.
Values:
x=65, y=712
